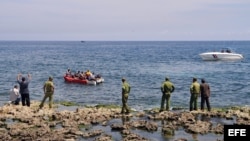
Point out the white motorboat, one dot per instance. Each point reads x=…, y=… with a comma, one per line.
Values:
x=226, y=54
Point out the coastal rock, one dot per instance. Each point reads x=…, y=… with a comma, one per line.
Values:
x=187, y=117
x=118, y=126
x=31, y=123
x=243, y=121
x=134, y=137
x=5, y=136
x=168, y=130
x=140, y=114
x=181, y=139
x=2, y=124
x=198, y=127
x=92, y=133
x=126, y=132
x=218, y=129
x=104, y=137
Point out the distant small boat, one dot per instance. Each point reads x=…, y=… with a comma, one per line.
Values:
x=226, y=54
x=82, y=41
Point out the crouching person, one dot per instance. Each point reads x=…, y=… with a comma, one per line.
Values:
x=15, y=95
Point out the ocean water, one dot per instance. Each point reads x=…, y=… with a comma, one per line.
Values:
x=144, y=64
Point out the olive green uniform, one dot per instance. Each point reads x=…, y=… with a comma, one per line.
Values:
x=167, y=88
x=125, y=93
x=48, y=93
x=194, y=91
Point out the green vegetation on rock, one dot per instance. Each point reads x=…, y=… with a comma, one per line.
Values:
x=108, y=106
x=68, y=103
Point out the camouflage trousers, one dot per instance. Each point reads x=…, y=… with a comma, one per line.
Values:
x=47, y=95
x=193, y=104
x=165, y=97
x=125, y=107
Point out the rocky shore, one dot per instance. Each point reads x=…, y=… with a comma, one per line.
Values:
x=103, y=123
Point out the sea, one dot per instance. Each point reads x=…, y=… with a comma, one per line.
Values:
x=144, y=64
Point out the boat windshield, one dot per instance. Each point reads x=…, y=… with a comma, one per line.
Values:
x=227, y=50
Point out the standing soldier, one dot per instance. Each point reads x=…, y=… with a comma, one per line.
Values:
x=194, y=91
x=205, y=94
x=48, y=89
x=166, y=88
x=125, y=93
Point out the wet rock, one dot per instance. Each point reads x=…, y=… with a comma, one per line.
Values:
x=168, y=130
x=75, y=131
x=118, y=126
x=5, y=136
x=152, y=117
x=140, y=114
x=29, y=123
x=243, y=121
x=104, y=137
x=69, y=140
x=2, y=124
x=126, y=132
x=134, y=137
x=151, y=126
x=187, y=117
x=181, y=139
x=199, y=127
x=218, y=129
x=143, y=124
x=92, y=133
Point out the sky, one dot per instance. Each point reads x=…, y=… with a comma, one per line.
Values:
x=124, y=20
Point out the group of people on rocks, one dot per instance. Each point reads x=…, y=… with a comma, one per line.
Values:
x=199, y=90
x=22, y=94
x=167, y=88
x=196, y=90
x=82, y=75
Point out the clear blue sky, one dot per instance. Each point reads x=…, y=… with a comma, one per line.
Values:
x=112, y=20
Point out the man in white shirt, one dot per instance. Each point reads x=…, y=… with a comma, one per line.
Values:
x=14, y=95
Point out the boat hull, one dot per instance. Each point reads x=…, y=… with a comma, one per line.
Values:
x=217, y=56
x=83, y=81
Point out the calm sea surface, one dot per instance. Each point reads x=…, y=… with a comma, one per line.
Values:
x=144, y=64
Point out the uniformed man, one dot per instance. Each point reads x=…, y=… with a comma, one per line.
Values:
x=125, y=94
x=48, y=89
x=195, y=92
x=167, y=88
